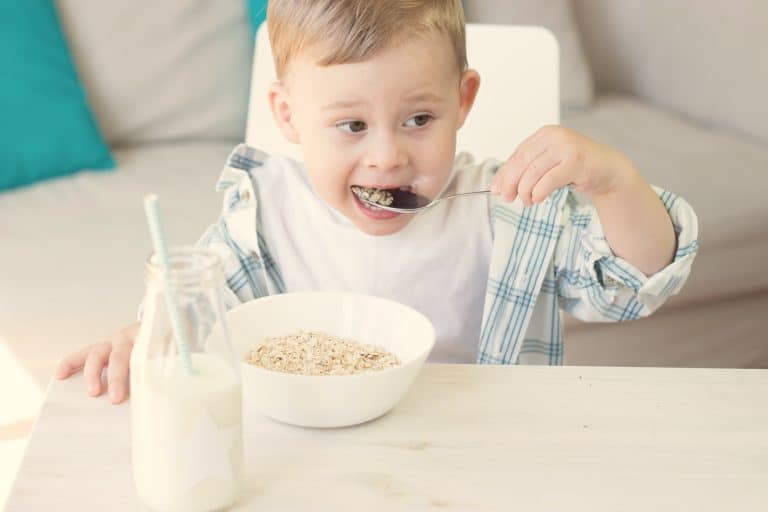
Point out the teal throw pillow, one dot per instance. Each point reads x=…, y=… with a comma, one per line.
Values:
x=46, y=126
x=257, y=13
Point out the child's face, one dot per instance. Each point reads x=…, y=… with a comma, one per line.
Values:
x=386, y=122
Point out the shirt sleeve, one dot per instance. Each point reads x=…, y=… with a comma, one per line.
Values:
x=593, y=284
x=250, y=271
x=236, y=290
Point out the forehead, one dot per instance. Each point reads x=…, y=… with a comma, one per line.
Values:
x=426, y=63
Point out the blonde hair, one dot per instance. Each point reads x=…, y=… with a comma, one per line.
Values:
x=355, y=30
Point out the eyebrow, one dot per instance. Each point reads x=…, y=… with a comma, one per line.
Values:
x=426, y=97
x=342, y=104
x=350, y=103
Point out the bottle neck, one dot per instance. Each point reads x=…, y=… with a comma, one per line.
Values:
x=190, y=268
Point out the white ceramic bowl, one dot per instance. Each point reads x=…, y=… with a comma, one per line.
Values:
x=330, y=400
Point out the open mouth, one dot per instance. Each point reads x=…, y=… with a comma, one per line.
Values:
x=379, y=196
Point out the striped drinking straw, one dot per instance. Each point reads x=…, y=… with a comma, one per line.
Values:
x=158, y=240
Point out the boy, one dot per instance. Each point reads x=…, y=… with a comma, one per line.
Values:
x=374, y=93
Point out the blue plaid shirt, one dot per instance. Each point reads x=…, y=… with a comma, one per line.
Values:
x=547, y=257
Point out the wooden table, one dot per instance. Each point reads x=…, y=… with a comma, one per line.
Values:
x=465, y=438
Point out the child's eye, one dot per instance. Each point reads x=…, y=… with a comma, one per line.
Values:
x=352, y=126
x=418, y=120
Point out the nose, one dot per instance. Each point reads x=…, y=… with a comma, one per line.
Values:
x=385, y=152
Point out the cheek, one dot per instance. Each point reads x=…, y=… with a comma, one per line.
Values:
x=435, y=161
x=440, y=146
x=328, y=176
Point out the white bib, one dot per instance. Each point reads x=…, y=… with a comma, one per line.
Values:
x=438, y=264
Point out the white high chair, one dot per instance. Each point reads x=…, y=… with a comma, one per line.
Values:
x=519, y=92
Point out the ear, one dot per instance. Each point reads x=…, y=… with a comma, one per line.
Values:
x=280, y=103
x=468, y=87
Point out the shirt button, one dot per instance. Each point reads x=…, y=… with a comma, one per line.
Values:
x=245, y=195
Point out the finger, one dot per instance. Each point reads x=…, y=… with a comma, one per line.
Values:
x=533, y=146
x=559, y=176
x=517, y=160
x=533, y=173
x=528, y=151
x=498, y=178
x=72, y=363
x=511, y=180
x=507, y=176
x=94, y=364
x=117, y=370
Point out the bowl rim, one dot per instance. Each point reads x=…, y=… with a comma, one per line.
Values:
x=361, y=375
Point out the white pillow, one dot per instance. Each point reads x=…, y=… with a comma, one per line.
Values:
x=576, y=86
x=167, y=70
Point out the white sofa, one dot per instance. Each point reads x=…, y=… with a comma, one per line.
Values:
x=170, y=92
x=681, y=89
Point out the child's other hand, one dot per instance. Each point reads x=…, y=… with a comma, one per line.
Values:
x=554, y=157
x=115, y=354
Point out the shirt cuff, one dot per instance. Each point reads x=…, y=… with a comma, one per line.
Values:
x=615, y=273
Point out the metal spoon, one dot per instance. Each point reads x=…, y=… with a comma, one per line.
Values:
x=404, y=201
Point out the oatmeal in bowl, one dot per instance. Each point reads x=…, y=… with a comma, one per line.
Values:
x=322, y=359
x=317, y=353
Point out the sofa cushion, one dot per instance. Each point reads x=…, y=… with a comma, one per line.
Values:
x=722, y=176
x=159, y=71
x=556, y=15
x=72, y=258
x=46, y=126
x=718, y=334
x=701, y=59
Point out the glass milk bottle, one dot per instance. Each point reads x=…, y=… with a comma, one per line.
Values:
x=185, y=399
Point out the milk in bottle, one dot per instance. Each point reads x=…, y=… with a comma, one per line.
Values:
x=186, y=408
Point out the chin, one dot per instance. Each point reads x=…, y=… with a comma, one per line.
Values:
x=381, y=228
x=372, y=223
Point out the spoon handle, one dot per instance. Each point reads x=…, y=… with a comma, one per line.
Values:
x=465, y=194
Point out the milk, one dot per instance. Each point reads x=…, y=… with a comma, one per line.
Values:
x=187, y=433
